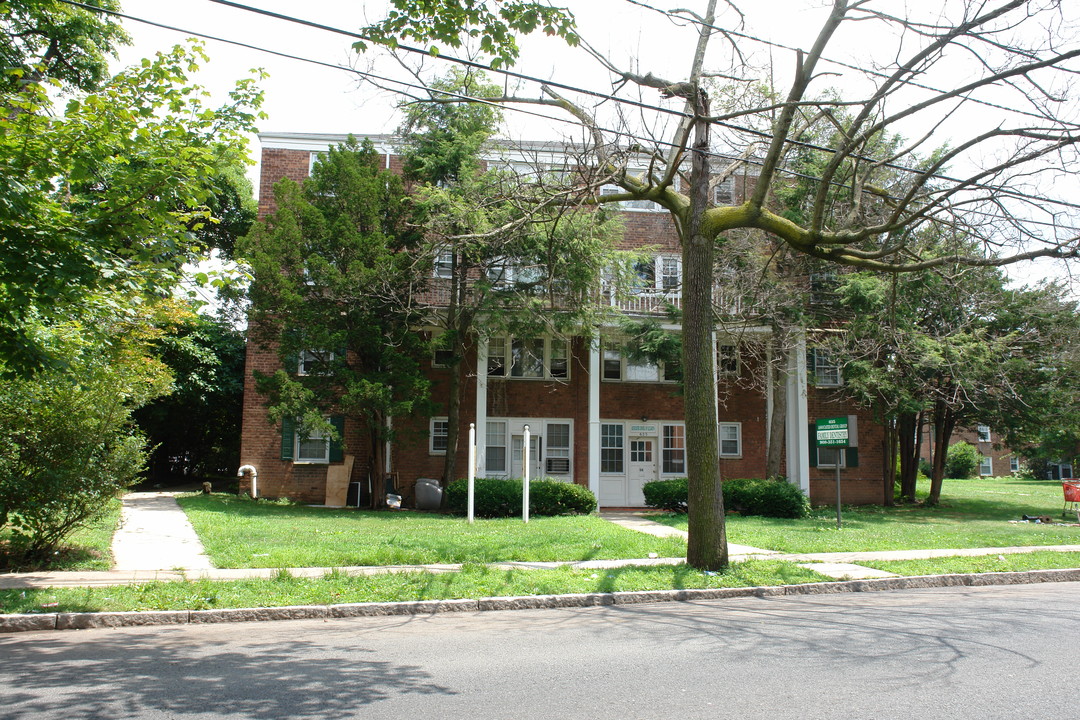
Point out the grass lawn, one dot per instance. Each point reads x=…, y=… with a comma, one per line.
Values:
x=88, y=548
x=241, y=533
x=1038, y=560
x=972, y=513
x=474, y=581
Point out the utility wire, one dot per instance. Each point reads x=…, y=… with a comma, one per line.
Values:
x=619, y=133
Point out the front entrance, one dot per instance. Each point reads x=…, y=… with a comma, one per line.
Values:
x=641, y=469
x=536, y=462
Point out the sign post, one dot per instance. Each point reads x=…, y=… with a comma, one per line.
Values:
x=833, y=432
x=472, y=472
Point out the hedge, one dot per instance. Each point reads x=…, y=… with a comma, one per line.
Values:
x=747, y=496
x=500, y=497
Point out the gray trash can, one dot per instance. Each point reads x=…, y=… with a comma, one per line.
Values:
x=428, y=494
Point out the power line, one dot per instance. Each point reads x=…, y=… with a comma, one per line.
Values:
x=618, y=133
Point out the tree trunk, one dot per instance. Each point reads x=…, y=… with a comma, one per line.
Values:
x=774, y=452
x=907, y=426
x=889, y=456
x=707, y=547
x=944, y=424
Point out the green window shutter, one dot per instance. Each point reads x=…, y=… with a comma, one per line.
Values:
x=288, y=438
x=336, y=451
x=852, y=458
x=291, y=362
x=813, y=444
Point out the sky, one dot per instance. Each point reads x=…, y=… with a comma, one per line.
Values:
x=307, y=97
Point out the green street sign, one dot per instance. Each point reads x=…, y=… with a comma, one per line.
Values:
x=832, y=432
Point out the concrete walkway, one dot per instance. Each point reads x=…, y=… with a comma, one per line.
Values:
x=155, y=534
x=155, y=541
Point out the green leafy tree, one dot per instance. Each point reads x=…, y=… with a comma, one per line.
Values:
x=69, y=444
x=334, y=281
x=110, y=196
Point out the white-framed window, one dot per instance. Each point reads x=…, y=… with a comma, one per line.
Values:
x=730, y=439
x=673, y=450
x=611, y=448
x=827, y=457
x=536, y=358
x=983, y=432
x=313, y=158
x=727, y=359
x=647, y=205
x=314, y=448
x=616, y=366
x=441, y=357
x=825, y=368
x=659, y=274
x=444, y=265
x=986, y=466
x=495, y=448
x=310, y=362
x=439, y=436
x=1014, y=464
x=724, y=192
x=496, y=357
x=612, y=363
x=558, y=449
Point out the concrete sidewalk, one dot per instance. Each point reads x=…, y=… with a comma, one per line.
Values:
x=155, y=534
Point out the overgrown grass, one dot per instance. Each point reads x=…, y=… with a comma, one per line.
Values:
x=474, y=581
x=1013, y=562
x=242, y=533
x=88, y=548
x=972, y=513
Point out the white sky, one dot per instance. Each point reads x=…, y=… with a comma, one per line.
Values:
x=301, y=97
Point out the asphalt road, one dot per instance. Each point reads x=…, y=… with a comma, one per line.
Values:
x=993, y=652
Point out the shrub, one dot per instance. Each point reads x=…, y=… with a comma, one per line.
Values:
x=962, y=460
x=500, y=497
x=666, y=494
x=774, y=497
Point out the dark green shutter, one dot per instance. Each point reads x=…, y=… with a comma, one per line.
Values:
x=288, y=438
x=813, y=444
x=852, y=459
x=336, y=450
x=291, y=363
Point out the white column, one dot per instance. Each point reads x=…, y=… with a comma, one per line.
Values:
x=798, y=419
x=481, y=405
x=594, y=415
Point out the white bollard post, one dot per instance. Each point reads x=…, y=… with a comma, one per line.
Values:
x=525, y=479
x=472, y=469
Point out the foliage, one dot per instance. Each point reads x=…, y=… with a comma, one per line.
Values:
x=46, y=39
x=962, y=460
x=501, y=497
x=68, y=443
x=666, y=494
x=451, y=21
x=105, y=202
x=772, y=497
x=195, y=430
x=334, y=276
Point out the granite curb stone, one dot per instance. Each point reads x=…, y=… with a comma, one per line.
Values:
x=72, y=621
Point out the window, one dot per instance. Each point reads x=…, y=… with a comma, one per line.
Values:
x=724, y=192
x=558, y=449
x=827, y=457
x=646, y=275
x=660, y=274
x=727, y=360
x=612, y=364
x=984, y=433
x=496, y=446
x=611, y=448
x=527, y=358
x=313, y=362
x=730, y=439
x=497, y=357
x=314, y=158
x=823, y=287
x=444, y=265
x=559, y=366
x=670, y=273
x=629, y=204
x=986, y=466
x=442, y=358
x=1014, y=464
x=642, y=371
x=825, y=369
x=617, y=367
x=439, y=436
x=673, y=450
x=314, y=448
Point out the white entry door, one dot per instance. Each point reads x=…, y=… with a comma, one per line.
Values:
x=536, y=462
x=642, y=469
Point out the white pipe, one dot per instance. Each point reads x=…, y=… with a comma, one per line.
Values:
x=525, y=479
x=250, y=470
x=472, y=469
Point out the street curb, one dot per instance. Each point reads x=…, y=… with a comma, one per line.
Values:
x=87, y=620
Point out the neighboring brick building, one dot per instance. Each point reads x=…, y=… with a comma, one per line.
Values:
x=595, y=417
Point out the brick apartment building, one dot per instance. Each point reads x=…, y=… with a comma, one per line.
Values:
x=595, y=417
